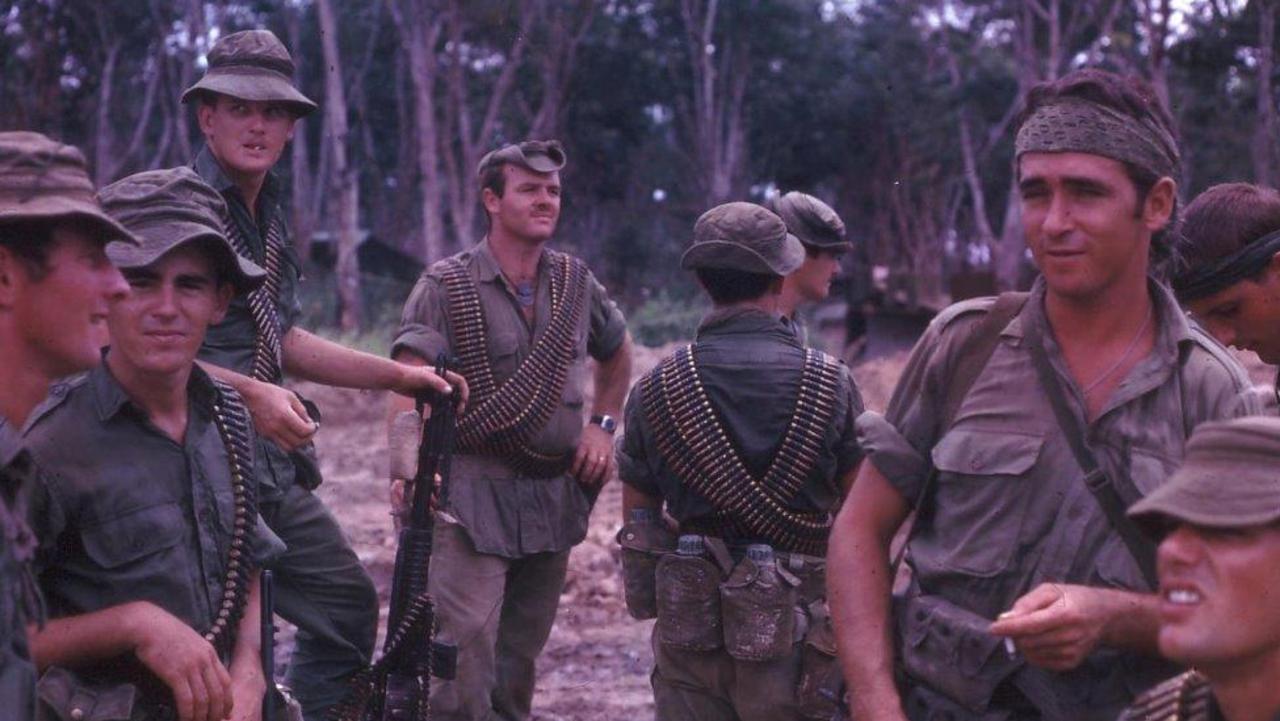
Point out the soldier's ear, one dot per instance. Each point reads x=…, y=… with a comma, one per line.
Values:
x=8, y=282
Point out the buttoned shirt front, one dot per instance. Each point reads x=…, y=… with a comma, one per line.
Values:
x=505, y=513
x=18, y=602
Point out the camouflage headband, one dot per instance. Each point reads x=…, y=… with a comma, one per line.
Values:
x=1074, y=125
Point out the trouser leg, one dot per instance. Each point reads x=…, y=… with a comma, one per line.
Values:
x=321, y=588
x=528, y=612
x=691, y=685
x=467, y=587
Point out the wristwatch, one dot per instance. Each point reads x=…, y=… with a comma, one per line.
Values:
x=607, y=423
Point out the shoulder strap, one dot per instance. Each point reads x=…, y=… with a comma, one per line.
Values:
x=1105, y=490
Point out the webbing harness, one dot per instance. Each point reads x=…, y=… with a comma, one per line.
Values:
x=232, y=421
x=263, y=299
x=695, y=446
x=503, y=420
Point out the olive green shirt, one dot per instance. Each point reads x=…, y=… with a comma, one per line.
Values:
x=19, y=604
x=1010, y=508
x=126, y=513
x=230, y=343
x=750, y=364
x=504, y=512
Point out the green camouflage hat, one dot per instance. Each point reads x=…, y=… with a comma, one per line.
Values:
x=540, y=156
x=812, y=221
x=44, y=180
x=745, y=237
x=167, y=208
x=252, y=65
x=1229, y=479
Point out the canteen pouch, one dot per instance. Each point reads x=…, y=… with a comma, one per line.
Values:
x=759, y=612
x=688, y=595
x=643, y=545
x=949, y=649
x=821, y=688
x=63, y=696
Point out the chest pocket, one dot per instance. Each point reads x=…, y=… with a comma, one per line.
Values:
x=124, y=544
x=981, y=496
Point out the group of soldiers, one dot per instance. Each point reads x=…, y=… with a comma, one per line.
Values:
x=1079, y=477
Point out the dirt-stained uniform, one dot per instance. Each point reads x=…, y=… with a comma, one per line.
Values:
x=499, y=560
x=125, y=513
x=19, y=603
x=1010, y=509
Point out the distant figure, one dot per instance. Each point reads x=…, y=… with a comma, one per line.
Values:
x=821, y=231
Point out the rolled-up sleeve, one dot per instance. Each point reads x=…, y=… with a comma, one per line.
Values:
x=632, y=449
x=848, y=448
x=608, y=326
x=423, y=322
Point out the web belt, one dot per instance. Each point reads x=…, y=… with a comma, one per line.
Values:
x=263, y=301
x=695, y=446
x=232, y=420
x=503, y=419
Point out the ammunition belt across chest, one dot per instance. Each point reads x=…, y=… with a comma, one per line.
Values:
x=264, y=299
x=232, y=421
x=1185, y=697
x=696, y=447
x=502, y=420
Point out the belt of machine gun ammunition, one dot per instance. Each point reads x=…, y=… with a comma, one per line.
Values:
x=232, y=421
x=417, y=628
x=1184, y=697
x=502, y=420
x=696, y=447
x=263, y=299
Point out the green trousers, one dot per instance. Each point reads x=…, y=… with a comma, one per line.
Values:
x=323, y=590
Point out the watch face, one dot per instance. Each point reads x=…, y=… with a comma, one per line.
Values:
x=606, y=422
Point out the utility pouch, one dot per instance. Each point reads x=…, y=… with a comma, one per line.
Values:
x=643, y=545
x=306, y=463
x=759, y=612
x=64, y=696
x=688, y=590
x=949, y=649
x=821, y=688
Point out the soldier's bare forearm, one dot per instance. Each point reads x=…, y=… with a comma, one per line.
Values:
x=76, y=640
x=612, y=377
x=246, y=661
x=1133, y=620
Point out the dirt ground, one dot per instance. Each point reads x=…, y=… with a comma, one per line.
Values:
x=597, y=662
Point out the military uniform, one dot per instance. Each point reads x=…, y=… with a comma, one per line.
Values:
x=1009, y=508
x=321, y=587
x=126, y=513
x=19, y=604
x=500, y=558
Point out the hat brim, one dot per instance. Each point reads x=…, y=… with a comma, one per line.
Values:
x=244, y=274
x=55, y=207
x=840, y=246
x=727, y=255
x=1190, y=497
x=261, y=86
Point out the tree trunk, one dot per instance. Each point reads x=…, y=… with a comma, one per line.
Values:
x=345, y=185
x=419, y=34
x=1264, y=133
x=302, y=173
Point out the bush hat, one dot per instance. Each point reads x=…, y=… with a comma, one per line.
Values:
x=814, y=222
x=1229, y=478
x=252, y=65
x=540, y=156
x=44, y=180
x=745, y=237
x=168, y=208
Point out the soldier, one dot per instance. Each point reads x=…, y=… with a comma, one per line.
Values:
x=1021, y=429
x=521, y=320
x=55, y=286
x=247, y=106
x=748, y=440
x=1230, y=277
x=149, y=533
x=822, y=234
x=1219, y=565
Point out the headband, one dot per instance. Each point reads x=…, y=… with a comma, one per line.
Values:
x=1227, y=271
x=1075, y=125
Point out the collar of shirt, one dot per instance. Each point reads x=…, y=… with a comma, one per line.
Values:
x=10, y=445
x=738, y=320
x=488, y=270
x=207, y=167
x=110, y=398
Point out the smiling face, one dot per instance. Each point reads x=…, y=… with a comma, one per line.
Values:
x=246, y=137
x=1086, y=228
x=1247, y=314
x=158, y=328
x=60, y=314
x=1219, y=596
x=529, y=206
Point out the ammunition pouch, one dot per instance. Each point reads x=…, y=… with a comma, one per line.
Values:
x=306, y=464
x=643, y=545
x=688, y=603
x=949, y=650
x=62, y=695
x=759, y=613
x=821, y=688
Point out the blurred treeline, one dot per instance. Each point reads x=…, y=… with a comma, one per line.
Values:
x=896, y=111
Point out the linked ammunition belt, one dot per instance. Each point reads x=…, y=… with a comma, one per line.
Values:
x=695, y=446
x=417, y=628
x=232, y=421
x=1185, y=697
x=502, y=420
x=263, y=300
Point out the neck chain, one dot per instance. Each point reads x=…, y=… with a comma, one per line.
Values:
x=1146, y=321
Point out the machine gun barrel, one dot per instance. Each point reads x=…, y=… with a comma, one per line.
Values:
x=268, y=644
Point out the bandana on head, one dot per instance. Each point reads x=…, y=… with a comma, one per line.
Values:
x=1074, y=125
x=1225, y=272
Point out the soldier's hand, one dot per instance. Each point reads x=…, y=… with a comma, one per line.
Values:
x=1055, y=626
x=402, y=499
x=248, y=694
x=593, y=462
x=416, y=377
x=186, y=663
x=278, y=415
